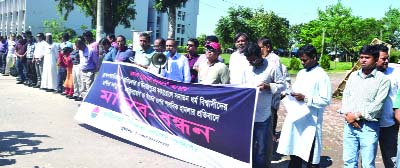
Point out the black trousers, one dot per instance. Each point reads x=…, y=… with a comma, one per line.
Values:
x=297, y=162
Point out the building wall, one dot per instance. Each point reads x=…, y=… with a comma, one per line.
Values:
x=21, y=15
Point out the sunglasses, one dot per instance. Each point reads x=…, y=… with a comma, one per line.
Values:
x=189, y=45
x=211, y=50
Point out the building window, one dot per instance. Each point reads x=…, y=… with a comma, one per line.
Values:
x=179, y=15
x=183, y=29
x=182, y=41
x=183, y=16
x=177, y=41
x=178, y=28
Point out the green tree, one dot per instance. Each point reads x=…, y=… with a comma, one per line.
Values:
x=116, y=12
x=255, y=23
x=391, y=29
x=170, y=7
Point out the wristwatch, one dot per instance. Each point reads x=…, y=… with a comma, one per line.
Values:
x=357, y=116
x=305, y=99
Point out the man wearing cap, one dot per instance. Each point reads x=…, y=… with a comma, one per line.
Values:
x=213, y=71
x=203, y=58
x=177, y=67
x=145, y=53
x=38, y=54
x=49, y=74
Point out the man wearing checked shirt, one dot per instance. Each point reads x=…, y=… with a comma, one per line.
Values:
x=363, y=98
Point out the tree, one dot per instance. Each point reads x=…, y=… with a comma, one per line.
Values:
x=117, y=12
x=255, y=23
x=170, y=7
x=391, y=30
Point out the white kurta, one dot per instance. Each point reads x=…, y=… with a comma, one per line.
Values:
x=297, y=136
x=49, y=75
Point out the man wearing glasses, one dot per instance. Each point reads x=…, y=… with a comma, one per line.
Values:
x=213, y=71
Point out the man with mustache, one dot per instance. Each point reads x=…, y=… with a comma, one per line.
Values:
x=238, y=62
x=388, y=127
x=363, y=98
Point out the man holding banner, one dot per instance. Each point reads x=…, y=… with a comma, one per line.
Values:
x=269, y=80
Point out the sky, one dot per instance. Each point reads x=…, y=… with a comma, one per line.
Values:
x=296, y=11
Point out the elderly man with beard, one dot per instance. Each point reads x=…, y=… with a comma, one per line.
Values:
x=238, y=62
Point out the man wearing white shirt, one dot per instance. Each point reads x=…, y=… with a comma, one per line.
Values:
x=238, y=62
x=302, y=138
x=388, y=127
x=177, y=67
x=38, y=54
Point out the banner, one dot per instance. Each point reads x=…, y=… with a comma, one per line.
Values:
x=206, y=125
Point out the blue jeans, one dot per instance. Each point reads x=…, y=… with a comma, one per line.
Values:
x=363, y=140
x=22, y=68
x=62, y=74
x=262, y=144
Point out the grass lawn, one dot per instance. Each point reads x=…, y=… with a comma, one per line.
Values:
x=335, y=66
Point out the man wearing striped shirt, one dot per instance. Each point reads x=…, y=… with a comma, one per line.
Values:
x=363, y=98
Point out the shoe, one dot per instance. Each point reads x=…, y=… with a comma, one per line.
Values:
x=72, y=97
x=6, y=75
x=49, y=90
x=63, y=93
x=59, y=91
x=27, y=83
x=32, y=85
x=79, y=99
x=20, y=82
x=36, y=86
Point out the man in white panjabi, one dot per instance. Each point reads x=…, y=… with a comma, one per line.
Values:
x=301, y=135
x=49, y=74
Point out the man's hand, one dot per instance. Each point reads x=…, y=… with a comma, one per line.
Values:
x=264, y=86
x=351, y=119
x=298, y=96
x=397, y=115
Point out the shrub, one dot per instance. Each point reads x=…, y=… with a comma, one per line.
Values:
x=394, y=56
x=294, y=64
x=325, y=62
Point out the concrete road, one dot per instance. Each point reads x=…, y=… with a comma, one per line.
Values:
x=38, y=130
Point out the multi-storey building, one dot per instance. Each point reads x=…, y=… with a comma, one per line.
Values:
x=17, y=16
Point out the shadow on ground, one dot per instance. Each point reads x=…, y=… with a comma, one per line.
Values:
x=19, y=143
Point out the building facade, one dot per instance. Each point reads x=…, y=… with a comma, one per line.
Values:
x=17, y=16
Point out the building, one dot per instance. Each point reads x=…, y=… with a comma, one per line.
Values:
x=17, y=16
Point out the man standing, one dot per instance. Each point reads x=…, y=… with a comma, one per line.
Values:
x=213, y=71
x=159, y=45
x=302, y=138
x=3, y=53
x=363, y=98
x=40, y=51
x=266, y=51
x=269, y=80
x=144, y=54
x=177, y=67
x=192, y=57
x=237, y=62
x=124, y=54
x=388, y=127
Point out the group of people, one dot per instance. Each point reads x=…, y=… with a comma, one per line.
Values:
x=370, y=103
x=54, y=67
